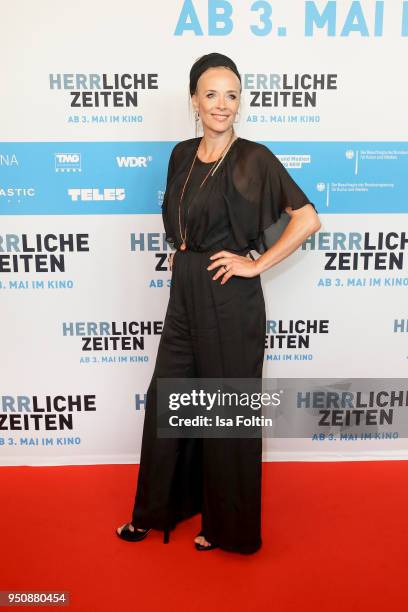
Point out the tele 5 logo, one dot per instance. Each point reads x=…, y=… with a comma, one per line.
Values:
x=96, y=195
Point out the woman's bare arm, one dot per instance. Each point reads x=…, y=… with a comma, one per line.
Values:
x=303, y=223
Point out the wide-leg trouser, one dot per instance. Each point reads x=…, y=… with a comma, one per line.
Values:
x=211, y=331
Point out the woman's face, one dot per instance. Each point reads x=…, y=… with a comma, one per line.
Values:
x=217, y=98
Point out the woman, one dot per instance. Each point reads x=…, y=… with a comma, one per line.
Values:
x=222, y=193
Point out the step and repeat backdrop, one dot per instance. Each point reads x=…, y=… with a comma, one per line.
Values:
x=94, y=95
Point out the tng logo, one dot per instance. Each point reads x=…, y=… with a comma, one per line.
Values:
x=68, y=162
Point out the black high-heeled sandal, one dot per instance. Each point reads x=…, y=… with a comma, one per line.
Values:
x=137, y=536
x=202, y=546
x=132, y=536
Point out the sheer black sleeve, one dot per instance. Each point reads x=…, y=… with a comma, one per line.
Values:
x=268, y=187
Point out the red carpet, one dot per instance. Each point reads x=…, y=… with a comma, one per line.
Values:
x=335, y=538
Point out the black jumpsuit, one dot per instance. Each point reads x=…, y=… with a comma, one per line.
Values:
x=213, y=331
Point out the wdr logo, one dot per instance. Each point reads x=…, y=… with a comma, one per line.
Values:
x=133, y=162
x=68, y=162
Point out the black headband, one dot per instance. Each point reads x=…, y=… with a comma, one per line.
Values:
x=212, y=60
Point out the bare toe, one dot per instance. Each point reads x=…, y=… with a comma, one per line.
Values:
x=130, y=527
x=201, y=540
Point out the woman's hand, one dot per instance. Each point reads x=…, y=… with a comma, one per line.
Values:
x=170, y=258
x=230, y=264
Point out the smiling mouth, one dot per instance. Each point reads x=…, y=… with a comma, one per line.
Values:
x=219, y=116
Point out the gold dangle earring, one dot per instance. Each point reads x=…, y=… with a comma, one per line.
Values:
x=197, y=118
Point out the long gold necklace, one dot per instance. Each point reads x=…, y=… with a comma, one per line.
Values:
x=211, y=172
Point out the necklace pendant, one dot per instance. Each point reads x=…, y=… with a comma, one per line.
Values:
x=183, y=246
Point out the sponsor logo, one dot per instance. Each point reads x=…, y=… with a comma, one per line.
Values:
x=294, y=161
x=97, y=195
x=8, y=160
x=16, y=194
x=68, y=162
x=133, y=162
